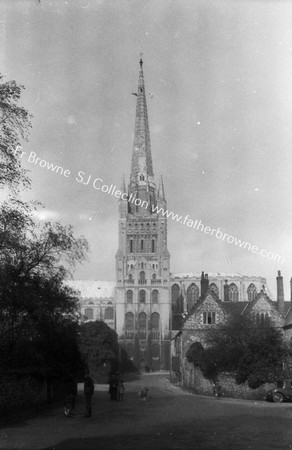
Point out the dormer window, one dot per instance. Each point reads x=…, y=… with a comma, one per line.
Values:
x=209, y=318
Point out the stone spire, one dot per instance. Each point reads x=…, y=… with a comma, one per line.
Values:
x=161, y=188
x=142, y=168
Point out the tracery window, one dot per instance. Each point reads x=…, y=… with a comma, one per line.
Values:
x=251, y=292
x=233, y=293
x=192, y=295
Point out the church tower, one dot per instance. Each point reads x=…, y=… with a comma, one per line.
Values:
x=142, y=260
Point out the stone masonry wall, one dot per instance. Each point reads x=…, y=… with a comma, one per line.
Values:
x=193, y=379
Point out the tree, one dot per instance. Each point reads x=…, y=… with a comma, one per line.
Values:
x=98, y=345
x=15, y=124
x=254, y=353
x=38, y=313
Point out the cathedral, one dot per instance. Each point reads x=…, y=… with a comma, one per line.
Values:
x=147, y=305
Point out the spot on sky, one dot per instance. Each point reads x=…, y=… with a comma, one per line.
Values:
x=198, y=123
x=256, y=189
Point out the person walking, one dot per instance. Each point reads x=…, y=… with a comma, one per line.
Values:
x=121, y=390
x=88, y=392
x=114, y=384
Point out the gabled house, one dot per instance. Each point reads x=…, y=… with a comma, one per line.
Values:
x=210, y=311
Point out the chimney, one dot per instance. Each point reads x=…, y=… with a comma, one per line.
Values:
x=280, y=293
x=204, y=284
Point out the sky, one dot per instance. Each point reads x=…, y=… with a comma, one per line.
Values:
x=218, y=75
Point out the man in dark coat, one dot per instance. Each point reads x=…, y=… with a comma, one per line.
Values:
x=88, y=392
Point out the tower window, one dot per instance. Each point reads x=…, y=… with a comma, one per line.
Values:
x=142, y=178
x=153, y=246
x=129, y=296
x=109, y=313
x=142, y=245
x=154, y=296
x=131, y=246
x=142, y=296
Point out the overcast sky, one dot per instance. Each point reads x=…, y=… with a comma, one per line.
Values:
x=219, y=79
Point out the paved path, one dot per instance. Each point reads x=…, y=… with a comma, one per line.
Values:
x=171, y=419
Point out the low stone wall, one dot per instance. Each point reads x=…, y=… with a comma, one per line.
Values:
x=193, y=379
x=19, y=390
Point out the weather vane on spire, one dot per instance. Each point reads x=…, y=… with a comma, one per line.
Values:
x=141, y=60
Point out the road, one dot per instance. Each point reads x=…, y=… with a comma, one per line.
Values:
x=171, y=419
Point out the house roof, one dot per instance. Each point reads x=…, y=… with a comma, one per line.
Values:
x=235, y=308
x=93, y=288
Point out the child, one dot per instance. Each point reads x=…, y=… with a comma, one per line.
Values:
x=144, y=393
x=121, y=390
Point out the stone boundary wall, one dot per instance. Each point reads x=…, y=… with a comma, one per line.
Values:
x=193, y=380
x=20, y=390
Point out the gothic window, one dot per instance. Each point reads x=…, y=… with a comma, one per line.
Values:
x=251, y=292
x=142, y=296
x=131, y=277
x=177, y=307
x=175, y=298
x=153, y=246
x=142, y=245
x=233, y=293
x=129, y=322
x=142, y=321
x=192, y=295
x=142, y=178
x=155, y=321
x=154, y=276
x=213, y=287
x=88, y=313
x=142, y=276
x=142, y=265
x=109, y=313
x=131, y=245
x=129, y=296
x=209, y=318
x=154, y=296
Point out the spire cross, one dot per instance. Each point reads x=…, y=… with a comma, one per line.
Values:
x=141, y=60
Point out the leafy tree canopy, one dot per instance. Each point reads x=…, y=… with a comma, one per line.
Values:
x=98, y=345
x=38, y=313
x=15, y=124
x=254, y=353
